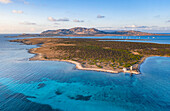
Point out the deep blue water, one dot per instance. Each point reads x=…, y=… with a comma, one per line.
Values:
x=57, y=86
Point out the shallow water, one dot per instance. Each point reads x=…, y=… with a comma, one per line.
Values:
x=57, y=86
x=145, y=39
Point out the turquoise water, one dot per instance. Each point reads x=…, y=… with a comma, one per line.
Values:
x=146, y=39
x=158, y=41
x=57, y=86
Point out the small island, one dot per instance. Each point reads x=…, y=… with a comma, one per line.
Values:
x=96, y=54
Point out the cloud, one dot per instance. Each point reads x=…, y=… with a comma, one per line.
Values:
x=168, y=21
x=56, y=23
x=78, y=20
x=63, y=19
x=51, y=19
x=105, y=27
x=100, y=16
x=28, y=23
x=152, y=29
x=135, y=26
x=17, y=11
x=32, y=29
x=25, y=2
x=132, y=27
x=157, y=16
x=5, y=1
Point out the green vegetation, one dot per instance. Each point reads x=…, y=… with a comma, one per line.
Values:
x=45, y=57
x=99, y=53
x=118, y=53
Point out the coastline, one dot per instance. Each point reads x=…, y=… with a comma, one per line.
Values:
x=38, y=56
x=48, y=43
x=97, y=35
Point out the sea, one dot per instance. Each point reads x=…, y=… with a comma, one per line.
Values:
x=58, y=86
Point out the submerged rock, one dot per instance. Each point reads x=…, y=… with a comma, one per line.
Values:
x=81, y=97
x=58, y=92
x=41, y=85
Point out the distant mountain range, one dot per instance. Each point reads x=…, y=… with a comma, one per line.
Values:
x=74, y=31
x=89, y=31
x=80, y=31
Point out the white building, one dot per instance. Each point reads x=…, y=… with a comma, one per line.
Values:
x=124, y=69
x=131, y=68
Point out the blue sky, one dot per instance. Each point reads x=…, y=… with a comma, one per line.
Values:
x=34, y=16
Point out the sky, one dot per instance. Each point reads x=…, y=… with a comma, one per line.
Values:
x=35, y=16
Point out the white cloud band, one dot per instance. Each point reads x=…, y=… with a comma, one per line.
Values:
x=5, y=1
x=17, y=11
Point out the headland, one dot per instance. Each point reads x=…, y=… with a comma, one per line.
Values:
x=92, y=54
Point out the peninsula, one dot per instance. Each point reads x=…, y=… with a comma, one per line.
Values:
x=80, y=31
x=95, y=54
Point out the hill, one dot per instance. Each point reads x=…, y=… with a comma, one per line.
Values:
x=90, y=31
x=74, y=31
